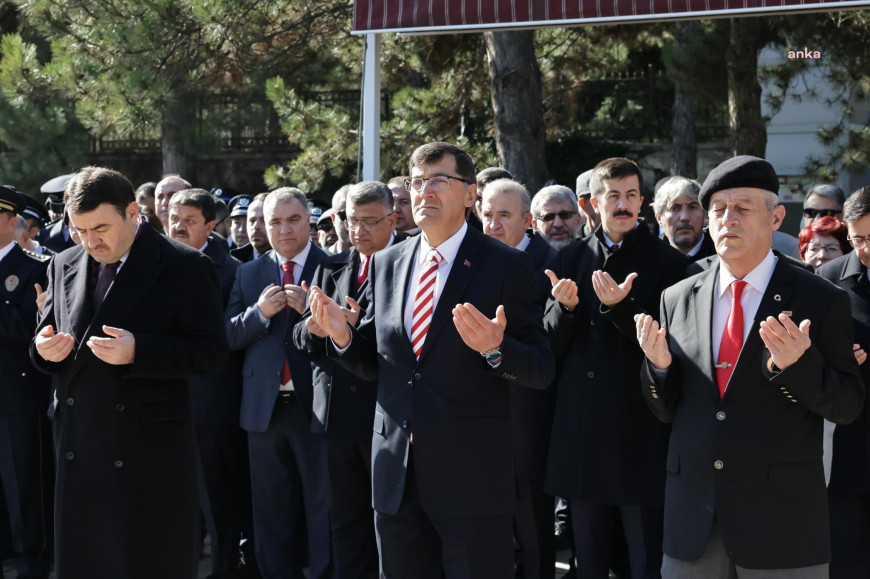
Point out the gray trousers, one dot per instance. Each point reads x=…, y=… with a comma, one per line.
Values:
x=716, y=564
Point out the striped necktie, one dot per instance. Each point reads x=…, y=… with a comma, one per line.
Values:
x=424, y=301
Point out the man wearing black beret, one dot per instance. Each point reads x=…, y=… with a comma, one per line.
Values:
x=751, y=357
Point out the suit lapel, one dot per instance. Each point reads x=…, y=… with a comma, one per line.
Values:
x=77, y=298
x=402, y=268
x=344, y=278
x=705, y=292
x=460, y=275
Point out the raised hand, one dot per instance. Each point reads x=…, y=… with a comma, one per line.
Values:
x=352, y=313
x=118, y=349
x=272, y=300
x=784, y=339
x=608, y=291
x=860, y=354
x=53, y=347
x=477, y=331
x=564, y=290
x=41, y=297
x=329, y=316
x=653, y=341
x=296, y=296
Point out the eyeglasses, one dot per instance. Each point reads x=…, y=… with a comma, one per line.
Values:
x=325, y=225
x=563, y=215
x=436, y=183
x=811, y=213
x=859, y=241
x=833, y=248
x=368, y=224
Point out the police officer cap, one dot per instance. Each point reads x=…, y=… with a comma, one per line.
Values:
x=225, y=193
x=583, y=184
x=315, y=214
x=10, y=199
x=740, y=171
x=238, y=205
x=323, y=216
x=33, y=209
x=55, y=186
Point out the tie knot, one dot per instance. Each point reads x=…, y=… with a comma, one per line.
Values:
x=737, y=287
x=112, y=267
x=287, y=265
x=613, y=248
x=433, y=255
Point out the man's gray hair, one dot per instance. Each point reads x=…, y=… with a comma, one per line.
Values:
x=371, y=192
x=505, y=185
x=828, y=190
x=284, y=194
x=552, y=193
x=673, y=189
x=340, y=198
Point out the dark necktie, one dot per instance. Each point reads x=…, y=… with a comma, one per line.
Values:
x=108, y=272
x=613, y=248
x=361, y=278
x=732, y=338
x=287, y=266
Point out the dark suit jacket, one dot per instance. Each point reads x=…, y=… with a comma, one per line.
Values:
x=24, y=389
x=768, y=492
x=53, y=237
x=126, y=469
x=244, y=253
x=605, y=447
x=707, y=248
x=850, y=467
x=457, y=406
x=265, y=346
x=343, y=402
x=217, y=397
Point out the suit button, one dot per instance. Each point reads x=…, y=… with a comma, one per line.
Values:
x=418, y=376
x=23, y=374
x=119, y=464
x=352, y=388
x=718, y=465
x=70, y=401
x=70, y=455
x=590, y=374
x=120, y=407
x=404, y=424
x=720, y=416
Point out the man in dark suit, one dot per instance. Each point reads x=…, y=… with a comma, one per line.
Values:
x=288, y=460
x=121, y=340
x=849, y=487
x=607, y=454
x=225, y=483
x=344, y=403
x=751, y=356
x=56, y=236
x=442, y=457
x=680, y=215
x=255, y=224
x=25, y=447
x=505, y=211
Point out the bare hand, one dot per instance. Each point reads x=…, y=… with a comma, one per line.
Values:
x=119, y=349
x=313, y=328
x=352, y=313
x=53, y=347
x=41, y=298
x=271, y=301
x=564, y=290
x=477, y=331
x=653, y=341
x=860, y=354
x=608, y=291
x=330, y=317
x=296, y=296
x=785, y=341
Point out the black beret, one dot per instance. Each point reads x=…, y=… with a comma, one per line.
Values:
x=55, y=186
x=238, y=205
x=10, y=199
x=740, y=171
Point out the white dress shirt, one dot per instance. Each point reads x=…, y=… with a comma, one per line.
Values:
x=524, y=243
x=359, y=269
x=4, y=251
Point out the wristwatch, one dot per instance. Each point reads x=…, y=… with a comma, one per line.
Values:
x=492, y=356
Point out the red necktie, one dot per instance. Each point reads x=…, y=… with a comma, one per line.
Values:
x=287, y=266
x=732, y=338
x=361, y=278
x=424, y=301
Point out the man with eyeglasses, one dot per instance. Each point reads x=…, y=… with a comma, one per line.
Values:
x=454, y=318
x=823, y=200
x=344, y=403
x=607, y=452
x=555, y=213
x=752, y=355
x=849, y=486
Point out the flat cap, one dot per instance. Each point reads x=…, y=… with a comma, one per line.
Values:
x=55, y=186
x=740, y=171
x=583, y=184
x=238, y=205
x=325, y=215
x=10, y=199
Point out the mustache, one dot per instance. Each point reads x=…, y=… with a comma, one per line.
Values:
x=622, y=213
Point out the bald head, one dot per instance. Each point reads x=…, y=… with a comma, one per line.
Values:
x=163, y=193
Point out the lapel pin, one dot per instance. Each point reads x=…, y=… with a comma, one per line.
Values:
x=467, y=263
x=777, y=297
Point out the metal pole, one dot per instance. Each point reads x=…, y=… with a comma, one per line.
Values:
x=371, y=113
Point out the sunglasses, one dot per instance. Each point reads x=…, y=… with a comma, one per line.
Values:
x=811, y=213
x=563, y=215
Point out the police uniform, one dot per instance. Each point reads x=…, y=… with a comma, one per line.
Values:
x=25, y=451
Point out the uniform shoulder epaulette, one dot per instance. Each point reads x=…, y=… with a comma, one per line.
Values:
x=36, y=256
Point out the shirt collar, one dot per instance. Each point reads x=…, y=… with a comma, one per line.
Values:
x=694, y=251
x=299, y=258
x=610, y=243
x=757, y=279
x=448, y=249
x=524, y=243
x=4, y=251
